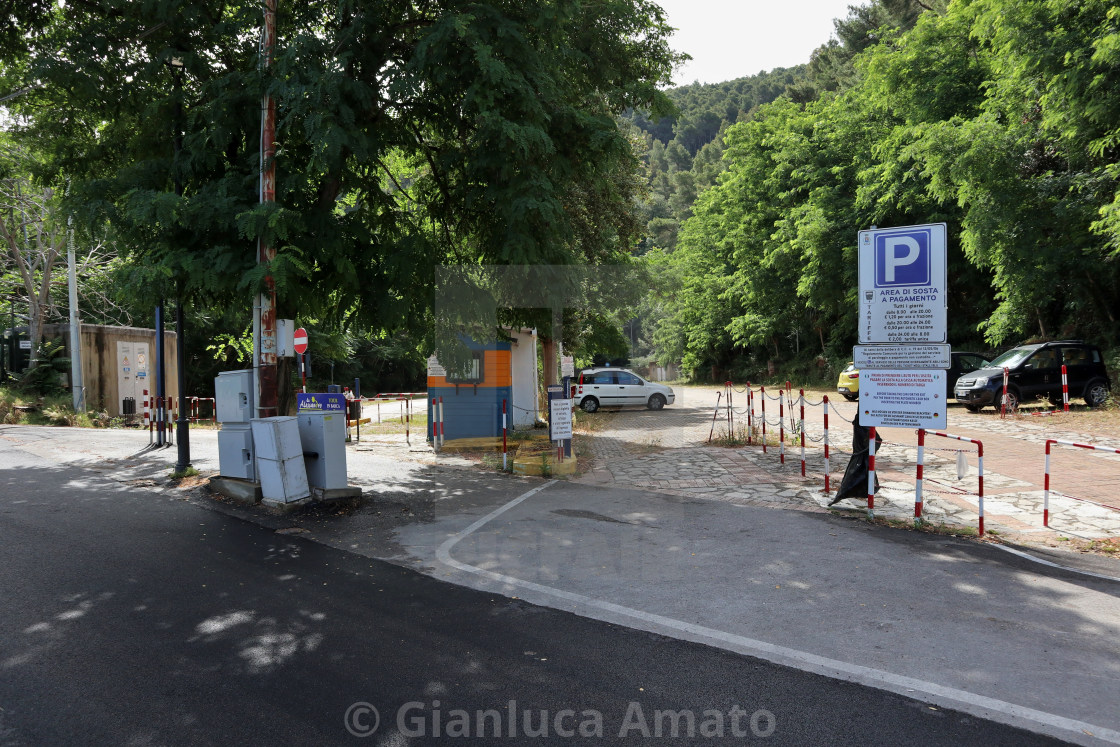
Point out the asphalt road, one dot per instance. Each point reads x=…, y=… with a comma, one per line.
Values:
x=135, y=618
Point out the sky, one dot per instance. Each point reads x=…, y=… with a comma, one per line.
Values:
x=734, y=38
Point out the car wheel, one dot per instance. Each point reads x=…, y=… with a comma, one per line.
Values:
x=1096, y=393
x=589, y=404
x=974, y=408
x=1012, y=399
x=656, y=402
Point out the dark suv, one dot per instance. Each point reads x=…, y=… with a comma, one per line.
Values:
x=1035, y=371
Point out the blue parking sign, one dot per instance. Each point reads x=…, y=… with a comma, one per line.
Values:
x=902, y=276
x=902, y=257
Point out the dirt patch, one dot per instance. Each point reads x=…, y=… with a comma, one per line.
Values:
x=191, y=482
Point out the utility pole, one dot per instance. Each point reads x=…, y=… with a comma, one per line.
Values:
x=264, y=311
x=77, y=386
x=182, y=425
x=161, y=380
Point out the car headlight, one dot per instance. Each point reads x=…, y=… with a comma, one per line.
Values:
x=980, y=381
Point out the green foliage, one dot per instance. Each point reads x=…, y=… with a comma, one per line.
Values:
x=998, y=118
x=45, y=379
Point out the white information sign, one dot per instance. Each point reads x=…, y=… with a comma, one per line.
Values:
x=567, y=366
x=434, y=368
x=902, y=356
x=25, y=344
x=902, y=399
x=560, y=419
x=902, y=284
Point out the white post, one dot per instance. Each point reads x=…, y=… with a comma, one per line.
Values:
x=77, y=387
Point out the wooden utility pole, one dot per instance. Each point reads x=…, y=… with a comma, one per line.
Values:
x=264, y=342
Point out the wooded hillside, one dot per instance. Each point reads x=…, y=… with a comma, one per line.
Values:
x=1000, y=118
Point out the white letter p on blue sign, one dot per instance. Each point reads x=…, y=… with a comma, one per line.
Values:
x=902, y=258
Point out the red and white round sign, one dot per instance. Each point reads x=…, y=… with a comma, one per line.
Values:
x=299, y=340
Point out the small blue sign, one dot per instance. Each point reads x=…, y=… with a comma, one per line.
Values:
x=320, y=402
x=902, y=258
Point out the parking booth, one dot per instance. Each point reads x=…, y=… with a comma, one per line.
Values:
x=500, y=372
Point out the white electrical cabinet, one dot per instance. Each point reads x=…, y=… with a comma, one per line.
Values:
x=324, y=447
x=235, y=452
x=233, y=394
x=279, y=455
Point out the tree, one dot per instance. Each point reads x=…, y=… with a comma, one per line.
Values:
x=410, y=135
x=34, y=239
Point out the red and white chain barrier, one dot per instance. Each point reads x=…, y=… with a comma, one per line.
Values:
x=921, y=467
x=1046, y=479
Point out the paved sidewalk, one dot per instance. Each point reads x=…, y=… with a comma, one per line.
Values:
x=1085, y=485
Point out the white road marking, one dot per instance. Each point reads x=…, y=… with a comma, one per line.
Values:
x=978, y=705
x=1040, y=561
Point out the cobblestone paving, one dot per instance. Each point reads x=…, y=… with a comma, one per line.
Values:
x=1013, y=467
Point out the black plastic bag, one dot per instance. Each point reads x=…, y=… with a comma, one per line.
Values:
x=854, y=484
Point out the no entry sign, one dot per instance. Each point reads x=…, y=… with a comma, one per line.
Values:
x=299, y=340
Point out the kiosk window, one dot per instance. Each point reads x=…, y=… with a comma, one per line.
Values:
x=469, y=374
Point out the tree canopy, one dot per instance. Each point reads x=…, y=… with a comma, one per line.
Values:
x=409, y=135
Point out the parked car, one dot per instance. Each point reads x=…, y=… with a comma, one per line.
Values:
x=612, y=387
x=1036, y=371
x=960, y=363
x=848, y=385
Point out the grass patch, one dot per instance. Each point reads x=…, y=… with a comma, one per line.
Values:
x=55, y=410
x=188, y=472
x=593, y=422
x=910, y=525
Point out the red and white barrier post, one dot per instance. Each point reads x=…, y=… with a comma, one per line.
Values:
x=435, y=425
x=730, y=414
x=441, y=424
x=1003, y=401
x=148, y=414
x=801, y=397
x=750, y=414
x=1046, y=488
x=762, y=392
x=980, y=468
x=781, y=427
x=871, y=472
x=920, y=477
x=827, y=469
x=1046, y=479
x=505, y=466
x=1065, y=390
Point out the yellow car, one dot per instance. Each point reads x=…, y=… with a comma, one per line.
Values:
x=848, y=385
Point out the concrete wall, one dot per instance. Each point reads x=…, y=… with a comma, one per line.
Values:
x=101, y=370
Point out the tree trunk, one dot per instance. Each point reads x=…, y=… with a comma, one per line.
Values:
x=548, y=357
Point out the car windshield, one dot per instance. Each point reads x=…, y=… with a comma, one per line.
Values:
x=1012, y=357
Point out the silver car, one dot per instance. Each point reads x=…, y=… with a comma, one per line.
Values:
x=614, y=387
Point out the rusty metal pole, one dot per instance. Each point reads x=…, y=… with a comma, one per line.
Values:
x=265, y=311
